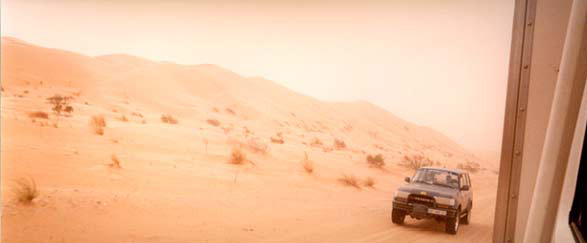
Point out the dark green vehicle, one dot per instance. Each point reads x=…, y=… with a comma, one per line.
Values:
x=438, y=193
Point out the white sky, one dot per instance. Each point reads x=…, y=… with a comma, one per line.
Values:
x=438, y=63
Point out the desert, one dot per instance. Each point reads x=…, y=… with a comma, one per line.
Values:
x=154, y=151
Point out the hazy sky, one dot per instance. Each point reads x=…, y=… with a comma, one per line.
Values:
x=438, y=63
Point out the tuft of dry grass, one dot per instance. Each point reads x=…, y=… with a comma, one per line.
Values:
x=307, y=164
x=137, y=114
x=123, y=118
x=230, y=111
x=316, y=142
x=257, y=146
x=98, y=123
x=376, y=161
x=167, y=118
x=369, y=182
x=25, y=190
x=339, y=144
x=39, y=114
x=115, y=162
x=278, y=139
x=349, y=180
x=213, y=122
x=237, y=157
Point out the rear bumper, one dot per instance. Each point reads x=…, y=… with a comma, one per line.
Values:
x=409, y=209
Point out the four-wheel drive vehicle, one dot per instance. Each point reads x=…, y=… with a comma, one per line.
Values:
x=439, y=193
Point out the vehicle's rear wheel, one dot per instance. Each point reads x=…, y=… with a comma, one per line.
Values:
x=452, y=224
x=398, y=216
x=467, y=218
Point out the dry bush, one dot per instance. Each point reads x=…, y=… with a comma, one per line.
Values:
x=327, y=149
x=339, y=144
x=349, y=180
x=278, y=139
x=213, y=122
x=39, y=114
x=115, y=162
x=123, y=118
x=470, y=166
x=237, y=157
x=167, y=118
x=416, y=161
x=307, y=164
x=230, y=111
x=246, y=131
x=137, y=114
x=257, y=146
x=98, y=123
x=369, y=182
x=59, y=103
x=316, y=142
x=376, y=161
x=25, y=190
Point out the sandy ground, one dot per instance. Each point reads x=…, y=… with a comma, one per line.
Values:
x=175, y=183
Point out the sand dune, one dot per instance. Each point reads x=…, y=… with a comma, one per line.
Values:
x=175, y=183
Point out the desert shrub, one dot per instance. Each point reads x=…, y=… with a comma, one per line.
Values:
x=246, y=131
x=59, y=103
x=39, y=114
x=237, y=157
x=349, y=180
x=376, y=161
x=213, y=122
x=278, y=139
x=470, y=166
x=230, y=111
x=369, y=182
x=98, y=123
x=257, y=146
x=137, y=114
x=115, y=162
x=123, y=118
x=307, y=164
x=416, y=161
x=339, y=144
x=25, y=190
x=167, y=118
x=316, y=142
x=68, y=109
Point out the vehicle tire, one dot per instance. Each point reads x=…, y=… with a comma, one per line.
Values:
x=467, y=219
x=452, y=224
x=398, y=216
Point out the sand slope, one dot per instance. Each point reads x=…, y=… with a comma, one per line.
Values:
x=176, y=184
